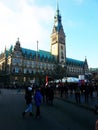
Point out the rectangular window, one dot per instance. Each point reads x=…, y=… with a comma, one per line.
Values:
x=16, y=70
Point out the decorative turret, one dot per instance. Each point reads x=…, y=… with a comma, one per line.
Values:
x=85, y=60
x=17, y=46
x=18, y=42
x=86, y=65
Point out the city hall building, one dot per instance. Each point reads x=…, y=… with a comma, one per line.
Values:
x=20, y=65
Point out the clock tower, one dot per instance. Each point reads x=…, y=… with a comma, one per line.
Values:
x=58, y=41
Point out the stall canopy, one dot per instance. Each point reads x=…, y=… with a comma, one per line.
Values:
x=68, y=79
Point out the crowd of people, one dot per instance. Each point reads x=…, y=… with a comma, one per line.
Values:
x=45, y=94
x=85, y=90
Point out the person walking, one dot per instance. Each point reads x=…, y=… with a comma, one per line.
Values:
x=42, y=90
x=51, y=94
x=77, y=94
x=28, y=98
x=38, y=100
x=87, y=91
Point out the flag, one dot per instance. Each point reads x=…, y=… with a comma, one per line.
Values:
x=46, y=80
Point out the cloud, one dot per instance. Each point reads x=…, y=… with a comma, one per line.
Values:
x=26, y=20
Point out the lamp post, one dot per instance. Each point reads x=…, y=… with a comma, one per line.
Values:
x=65, y=67
x=66, y=72
x=37, y=58
x=37, y=65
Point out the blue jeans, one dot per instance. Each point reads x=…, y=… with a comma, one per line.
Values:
x=29, y=108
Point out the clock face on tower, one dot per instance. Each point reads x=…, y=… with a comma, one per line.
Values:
x=55, y=49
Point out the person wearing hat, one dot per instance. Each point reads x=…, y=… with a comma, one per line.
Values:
x=28, y=98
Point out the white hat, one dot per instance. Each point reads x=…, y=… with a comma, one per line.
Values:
x=29, y=88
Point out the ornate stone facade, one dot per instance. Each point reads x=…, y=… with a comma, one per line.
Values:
x=19, y=65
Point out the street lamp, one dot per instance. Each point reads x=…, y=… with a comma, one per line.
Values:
x=37, y=58
x=36, y=79
x=65, y=67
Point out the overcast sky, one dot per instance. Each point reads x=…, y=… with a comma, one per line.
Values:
x=33, y=20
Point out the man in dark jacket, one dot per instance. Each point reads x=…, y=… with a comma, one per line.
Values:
x=28, y=98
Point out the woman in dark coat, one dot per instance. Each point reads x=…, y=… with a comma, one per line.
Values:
x=28, y=98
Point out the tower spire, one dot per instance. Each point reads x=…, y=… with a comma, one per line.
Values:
x=57, y=18
x=57, y=8
x=57, y=4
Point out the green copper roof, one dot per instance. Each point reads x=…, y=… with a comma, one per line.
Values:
x=45, y=54
x=74, y=61
x=41, y=54
x=28, y=51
